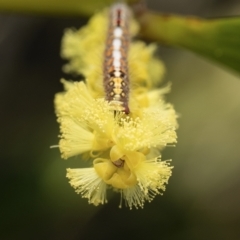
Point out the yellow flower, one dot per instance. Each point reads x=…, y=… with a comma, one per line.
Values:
x=88, y=183
x=87, y=124
x=123, y=150
x=139, y=180
x=83, y=48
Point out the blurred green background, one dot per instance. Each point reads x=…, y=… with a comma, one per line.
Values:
x=202, y=198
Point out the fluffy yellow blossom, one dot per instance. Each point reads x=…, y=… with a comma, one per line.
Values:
x=88, y=124
x=123, y=150
x=138, y=182
x=84, y=50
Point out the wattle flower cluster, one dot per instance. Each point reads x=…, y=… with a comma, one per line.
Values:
x=123, y=150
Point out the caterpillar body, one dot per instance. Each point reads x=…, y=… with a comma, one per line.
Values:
x=115, y=66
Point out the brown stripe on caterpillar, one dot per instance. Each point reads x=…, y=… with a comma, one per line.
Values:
x=115, y=67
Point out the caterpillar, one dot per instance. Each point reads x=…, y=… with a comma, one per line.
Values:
x=116, y=78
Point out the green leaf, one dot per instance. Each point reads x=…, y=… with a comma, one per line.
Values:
x=55, y=7
x=217, y=39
